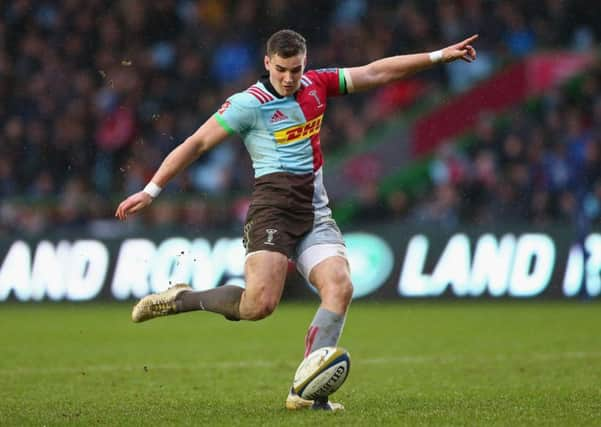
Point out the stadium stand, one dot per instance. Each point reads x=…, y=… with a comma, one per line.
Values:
x=95, y=94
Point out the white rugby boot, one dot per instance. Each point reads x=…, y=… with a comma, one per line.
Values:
x=159, y=304
x=295, y=402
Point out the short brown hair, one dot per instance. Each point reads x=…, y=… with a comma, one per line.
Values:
x=286, y=43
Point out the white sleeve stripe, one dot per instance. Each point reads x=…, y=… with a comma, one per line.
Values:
x=349, y=81
x=305, y=81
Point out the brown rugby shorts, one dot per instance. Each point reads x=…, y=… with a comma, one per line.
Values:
x=275, y=229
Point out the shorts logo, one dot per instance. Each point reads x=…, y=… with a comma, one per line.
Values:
x=246, y=237
x=299, y=132
x=270, y=233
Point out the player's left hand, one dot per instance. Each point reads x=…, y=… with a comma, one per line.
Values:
x=462, y=50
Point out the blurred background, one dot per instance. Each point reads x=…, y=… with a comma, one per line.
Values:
x=96, y=93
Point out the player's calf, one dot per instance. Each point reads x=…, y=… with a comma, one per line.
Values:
x=180, y=298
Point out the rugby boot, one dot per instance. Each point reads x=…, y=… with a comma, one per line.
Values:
x=159, y=304
x=294, y=402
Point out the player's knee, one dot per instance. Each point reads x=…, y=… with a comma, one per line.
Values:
x=338, y=290
x=261, y=309
x=345, y=292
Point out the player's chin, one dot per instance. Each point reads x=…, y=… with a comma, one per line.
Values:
x=289, y=90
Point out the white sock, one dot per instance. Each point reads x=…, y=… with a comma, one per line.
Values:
x=324, y=331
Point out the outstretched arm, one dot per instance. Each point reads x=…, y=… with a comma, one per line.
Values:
x=207, y=136
x=387, y=70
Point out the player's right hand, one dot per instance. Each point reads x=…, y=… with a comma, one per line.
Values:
x=133, y=204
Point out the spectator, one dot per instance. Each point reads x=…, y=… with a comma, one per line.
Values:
x=85, y=87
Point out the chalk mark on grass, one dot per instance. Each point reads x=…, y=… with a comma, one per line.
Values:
x=144, y=367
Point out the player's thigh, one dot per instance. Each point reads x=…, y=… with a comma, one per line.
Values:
x=265, y=274
x=323, y=242
x=322, y=260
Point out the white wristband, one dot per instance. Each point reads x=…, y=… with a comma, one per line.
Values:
x=152, y=190
x=436, y=56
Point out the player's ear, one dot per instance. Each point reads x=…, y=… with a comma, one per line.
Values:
x=266, y=62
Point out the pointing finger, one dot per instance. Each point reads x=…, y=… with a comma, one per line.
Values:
x=470, y=39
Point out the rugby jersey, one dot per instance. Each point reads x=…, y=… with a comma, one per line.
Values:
x=281, y=135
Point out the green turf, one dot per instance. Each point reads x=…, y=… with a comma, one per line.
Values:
x=452, y=363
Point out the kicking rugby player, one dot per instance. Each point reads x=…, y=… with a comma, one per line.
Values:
x=279, y=119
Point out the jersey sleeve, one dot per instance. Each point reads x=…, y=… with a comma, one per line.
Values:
x=238, y=113
x=333, y=79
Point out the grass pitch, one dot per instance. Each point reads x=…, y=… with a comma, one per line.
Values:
x=431, y=363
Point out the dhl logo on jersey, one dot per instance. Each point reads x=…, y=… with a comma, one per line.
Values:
x=296, y=133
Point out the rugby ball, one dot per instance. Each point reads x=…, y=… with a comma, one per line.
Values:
x=322, y=372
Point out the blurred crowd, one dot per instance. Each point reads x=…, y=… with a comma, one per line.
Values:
x=95, y=93
x=539, y=164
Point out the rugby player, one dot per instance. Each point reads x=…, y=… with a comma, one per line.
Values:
x=279, y=119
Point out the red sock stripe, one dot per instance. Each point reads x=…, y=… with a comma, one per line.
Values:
x=310, y=338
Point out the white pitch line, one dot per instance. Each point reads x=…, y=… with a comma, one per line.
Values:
x=497, y=358
x=407, y=360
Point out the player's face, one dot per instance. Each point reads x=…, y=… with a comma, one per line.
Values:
x=285, y=73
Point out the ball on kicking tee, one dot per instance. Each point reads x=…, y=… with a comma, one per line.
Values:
x=322, y=372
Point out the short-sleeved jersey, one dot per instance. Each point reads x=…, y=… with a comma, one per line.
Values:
x=282, y=133
x=282, y=136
